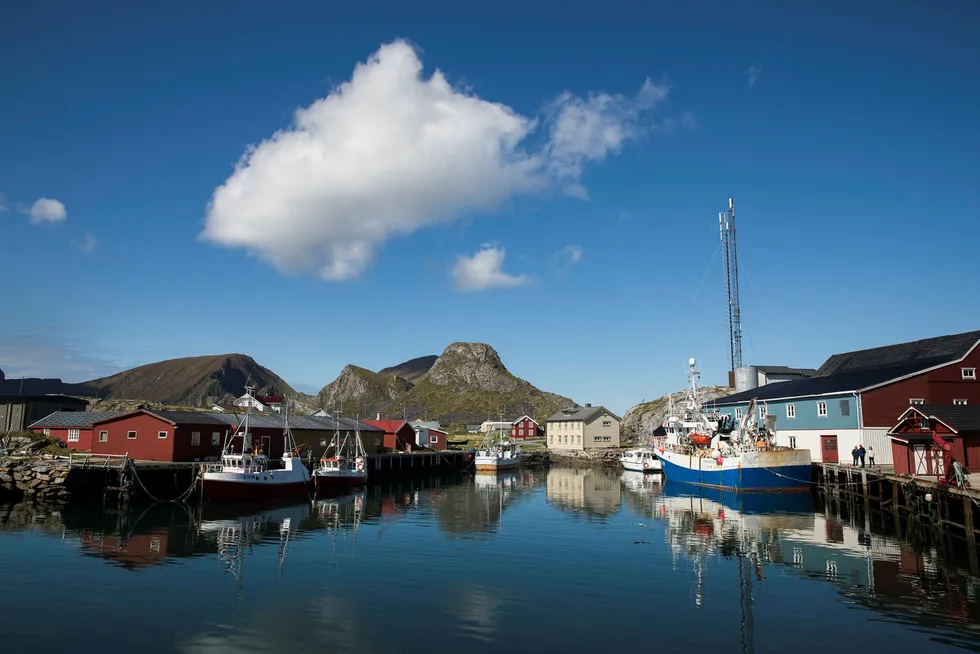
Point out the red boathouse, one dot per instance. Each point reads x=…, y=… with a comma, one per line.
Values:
x=929, y=436
x=398, y=434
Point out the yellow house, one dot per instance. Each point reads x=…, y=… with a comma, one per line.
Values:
x=582, y=428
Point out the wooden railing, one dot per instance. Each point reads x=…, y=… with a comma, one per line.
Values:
x=89, y=460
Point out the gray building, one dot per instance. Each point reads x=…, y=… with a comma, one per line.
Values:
x=17, y=412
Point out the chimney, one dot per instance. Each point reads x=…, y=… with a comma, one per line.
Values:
x=378, y=416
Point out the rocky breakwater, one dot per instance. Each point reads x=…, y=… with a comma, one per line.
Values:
x=34, y=479
x=606, y=457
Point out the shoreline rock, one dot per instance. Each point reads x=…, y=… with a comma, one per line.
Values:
x=34, y=479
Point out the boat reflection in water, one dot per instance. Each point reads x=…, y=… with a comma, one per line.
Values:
x=237, y=529
x=475, y=507
x=920, y=584
x=591, y=492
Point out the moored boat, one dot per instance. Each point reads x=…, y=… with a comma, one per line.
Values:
x=640, y=459
x=250, y=474
x=344, y=462
x=497, y=452
x=712, y=451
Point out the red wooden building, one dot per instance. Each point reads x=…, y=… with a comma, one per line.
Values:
x=398, y=434
x=526, y=427
x=174, y=435
x=920, y=438
x=74, y=428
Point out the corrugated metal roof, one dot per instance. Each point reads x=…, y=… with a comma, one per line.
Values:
x=925, y=353
x=191, y=417
x=73, y=418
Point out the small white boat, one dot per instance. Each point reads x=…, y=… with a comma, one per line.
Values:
x=497, y=452
x=348, y=464
x=640, y=459
x=250, y=473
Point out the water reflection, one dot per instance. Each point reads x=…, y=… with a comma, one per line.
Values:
x=475, y=508
x=590, y=492
x=921, y=584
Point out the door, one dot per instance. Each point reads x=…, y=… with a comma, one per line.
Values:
x=266, y=445
x=828, y=449
x=921, y=466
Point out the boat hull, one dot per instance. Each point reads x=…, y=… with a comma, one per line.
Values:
x=637, y=466
x=339, y=481
x=236, y=489
x=491, y=464
x=780, y=471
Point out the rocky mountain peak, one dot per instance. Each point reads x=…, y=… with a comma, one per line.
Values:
x=471, y=365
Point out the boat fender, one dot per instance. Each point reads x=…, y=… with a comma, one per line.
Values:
x=715, y=453
x=646, y=464
x=661, y=450
x=720, y=460
x=360, y=466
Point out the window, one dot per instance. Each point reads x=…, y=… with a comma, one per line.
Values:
x=916, y=400
x=790, y=410
x=47, y=432
x=579, y=438
x=73, y=435
x=738, y=413
x=377, y=442
x=163, y=434
x=433, y=439
x=522, y=431
x=323, y=442
x=216, y=438
x=792, y=442
x=959, y=402
x=607, y=423
x=103, y=437
x=968, y=373
x=845, y=407
x=131, y=435
x=821, y=409
x=195, y=437
x=763, y=410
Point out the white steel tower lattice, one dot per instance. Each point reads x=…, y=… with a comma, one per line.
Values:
x=726, y=228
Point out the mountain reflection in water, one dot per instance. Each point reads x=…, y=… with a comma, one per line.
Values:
x=533, y=560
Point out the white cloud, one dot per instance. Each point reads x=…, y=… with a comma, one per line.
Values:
x=570, y=255
x=88, y=244
x=390, y=152
x=754, y=72
x=47, y=210
x=483, y=271
x=3, y=202
x=591, y=129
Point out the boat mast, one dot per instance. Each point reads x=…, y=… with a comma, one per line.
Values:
x=247, y=436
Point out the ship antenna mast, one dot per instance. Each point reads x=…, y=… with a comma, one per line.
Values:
x=726, y=228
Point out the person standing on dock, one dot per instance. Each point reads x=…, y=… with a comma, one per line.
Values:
x=871, y=455
x=862, y=452
x=854, y=455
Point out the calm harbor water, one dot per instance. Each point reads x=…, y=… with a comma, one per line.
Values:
x=558, y=560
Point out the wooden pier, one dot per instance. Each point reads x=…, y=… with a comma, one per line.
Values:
x=906, y=499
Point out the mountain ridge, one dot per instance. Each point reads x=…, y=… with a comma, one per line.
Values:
x=467, y=383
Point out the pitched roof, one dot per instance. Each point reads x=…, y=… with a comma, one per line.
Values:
x=857, y=371
x=960, y=418
x=926, y=353
x=73, y=418
x=522, y=418
x=786, y=370
x=389, y=426
x=270, y=399
x=583, y=413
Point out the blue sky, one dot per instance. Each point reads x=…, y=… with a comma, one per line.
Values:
x=557, y=197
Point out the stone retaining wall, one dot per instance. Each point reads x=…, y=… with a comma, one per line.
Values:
x=34, y=479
